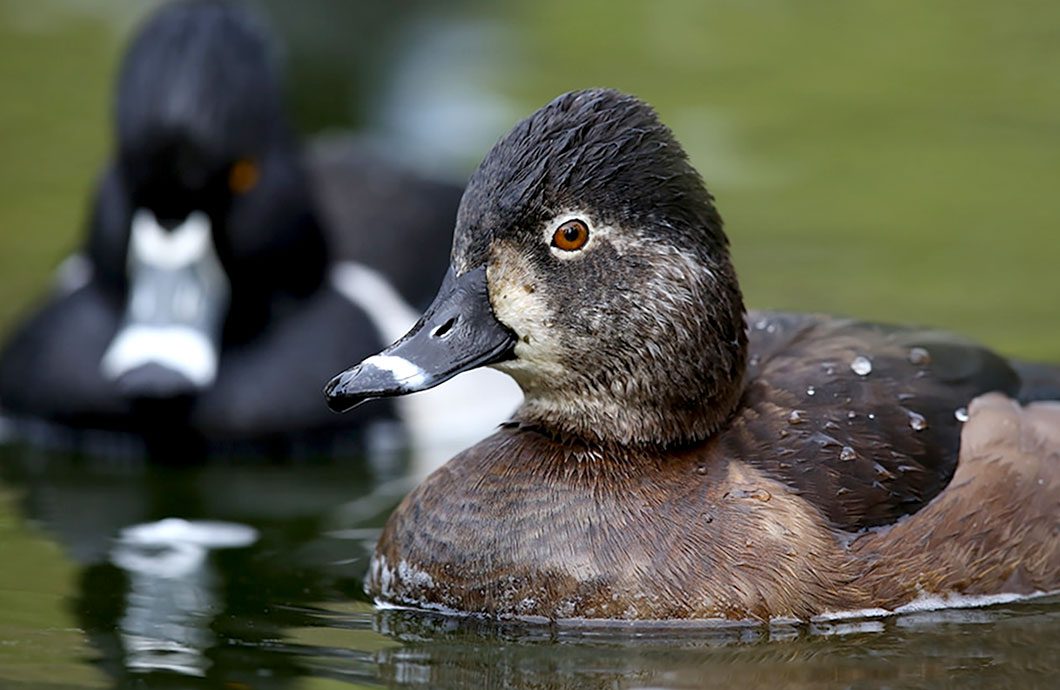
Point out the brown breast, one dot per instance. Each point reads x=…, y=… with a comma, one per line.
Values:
x=524, y=525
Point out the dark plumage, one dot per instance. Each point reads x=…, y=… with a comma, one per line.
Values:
x=200, y=132
x=672, y=459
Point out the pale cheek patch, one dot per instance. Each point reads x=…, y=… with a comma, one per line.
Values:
x=516, y=302
x=513, y=296
x=399, y=368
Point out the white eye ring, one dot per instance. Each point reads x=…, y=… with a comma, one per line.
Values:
x=555, y=243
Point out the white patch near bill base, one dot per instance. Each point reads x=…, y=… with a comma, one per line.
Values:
x=400, y=368
x=179, y=247
x=183, y=349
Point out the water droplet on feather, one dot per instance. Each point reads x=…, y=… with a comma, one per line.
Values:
x=919, y=356
x=862, y=366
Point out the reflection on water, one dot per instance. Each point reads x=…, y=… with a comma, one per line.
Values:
x=242, y=575
x=172, y=591
x=198, y=571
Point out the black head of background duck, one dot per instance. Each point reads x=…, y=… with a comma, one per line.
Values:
x=205, y=216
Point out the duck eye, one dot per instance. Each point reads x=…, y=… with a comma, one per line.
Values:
x=243, y=176
x=571, y=236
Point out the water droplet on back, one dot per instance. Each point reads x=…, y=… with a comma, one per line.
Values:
x=917, y=421
x=796, y=417
x=847, y=453
x=810, y=390
x=919, y=356
x=762, y=495
x=861, y=365
x=961, y=414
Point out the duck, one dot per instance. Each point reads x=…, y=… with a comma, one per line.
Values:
x=218, y=251
x=676, y=457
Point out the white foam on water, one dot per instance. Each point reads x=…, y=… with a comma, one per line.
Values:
x=932, y=602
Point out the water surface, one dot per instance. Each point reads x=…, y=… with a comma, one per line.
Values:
x=262, y=587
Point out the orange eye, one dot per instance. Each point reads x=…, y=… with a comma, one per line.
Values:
x=571, y=236
x=243, y=176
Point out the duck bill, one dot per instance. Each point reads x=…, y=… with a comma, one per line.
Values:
x=457, y=333
x=168, y=344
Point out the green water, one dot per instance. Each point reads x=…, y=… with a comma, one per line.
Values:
x=895, y=160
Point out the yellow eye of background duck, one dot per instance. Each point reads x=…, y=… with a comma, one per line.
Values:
x=571, y=236
x=243, y=176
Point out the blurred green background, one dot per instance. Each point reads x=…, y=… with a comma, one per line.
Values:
x=891, y=159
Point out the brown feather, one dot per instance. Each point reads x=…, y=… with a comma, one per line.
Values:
x=523, y=525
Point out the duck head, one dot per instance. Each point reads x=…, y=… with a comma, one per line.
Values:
x=589, y=263
x=208, y=216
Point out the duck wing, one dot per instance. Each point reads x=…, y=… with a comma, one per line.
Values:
x=994, y=528
x=863, y=420
x=383, y=215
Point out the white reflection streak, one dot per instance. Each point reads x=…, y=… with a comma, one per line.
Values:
x=172, y=593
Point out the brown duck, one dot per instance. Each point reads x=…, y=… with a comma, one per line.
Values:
x=674, y=457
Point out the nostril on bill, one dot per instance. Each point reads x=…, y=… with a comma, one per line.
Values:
x=444, y=329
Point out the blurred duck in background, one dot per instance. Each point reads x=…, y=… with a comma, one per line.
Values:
x=218, y=256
